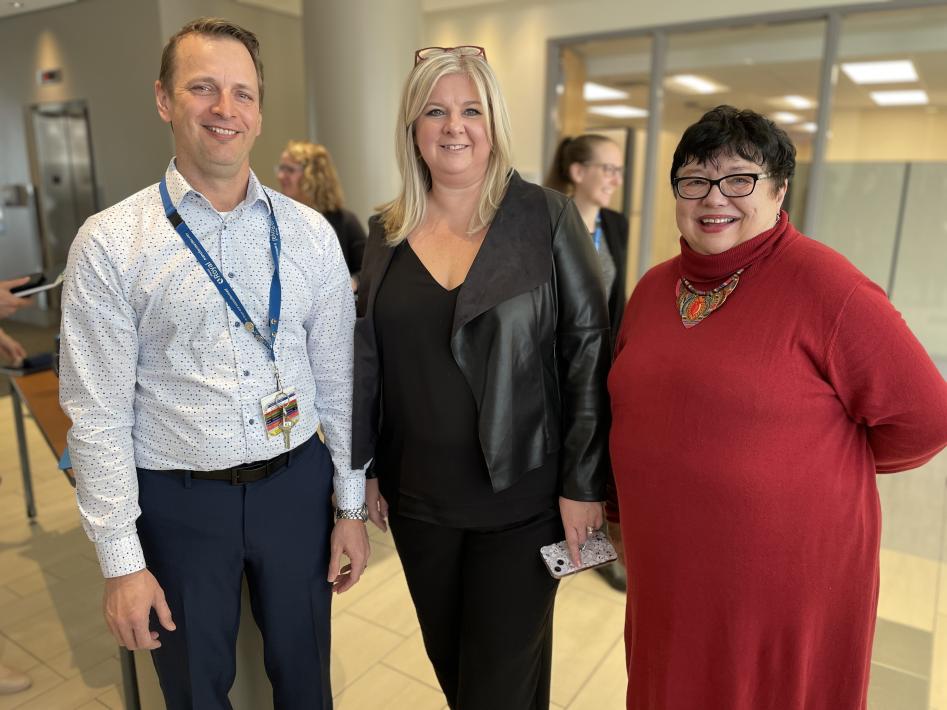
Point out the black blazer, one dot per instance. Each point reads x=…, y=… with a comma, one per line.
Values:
x=615, y=230
x=531, y=336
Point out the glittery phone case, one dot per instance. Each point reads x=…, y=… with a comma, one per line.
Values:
x=597, y=551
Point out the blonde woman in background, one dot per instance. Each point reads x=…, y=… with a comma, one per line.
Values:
x=306, y=174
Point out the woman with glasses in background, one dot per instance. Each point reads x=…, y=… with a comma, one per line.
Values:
x=589, y=169
x=760, y=383
x=306, y=174
x=482, y=347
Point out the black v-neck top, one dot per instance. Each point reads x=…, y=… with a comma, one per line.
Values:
x=429, y=462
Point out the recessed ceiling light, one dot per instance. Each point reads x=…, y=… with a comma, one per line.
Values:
x=598, y=92
x=693, y=84
x=16, y=5
x=900, y=98
x=808, y=127
x=797, y=102
x=618, y=111
x=785, y=117
x=880, y=72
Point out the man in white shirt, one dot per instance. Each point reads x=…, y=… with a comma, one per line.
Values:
x=207, y=333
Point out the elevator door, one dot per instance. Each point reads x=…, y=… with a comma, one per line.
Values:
x=65, y=177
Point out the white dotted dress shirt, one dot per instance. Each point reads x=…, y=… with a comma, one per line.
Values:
x=158, y=373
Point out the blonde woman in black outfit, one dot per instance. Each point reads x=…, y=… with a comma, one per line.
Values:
x=482, y=319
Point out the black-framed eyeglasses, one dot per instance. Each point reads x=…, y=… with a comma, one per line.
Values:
x=467, y=50
x=608, y=168
x=736, y=185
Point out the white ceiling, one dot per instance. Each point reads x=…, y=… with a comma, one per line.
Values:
x=295, y=7
x=286, y=7
x=8, y=7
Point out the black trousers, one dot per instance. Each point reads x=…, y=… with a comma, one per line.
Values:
x=201, y=537
x=485, y=602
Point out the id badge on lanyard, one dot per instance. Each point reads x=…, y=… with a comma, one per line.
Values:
x=280, y=409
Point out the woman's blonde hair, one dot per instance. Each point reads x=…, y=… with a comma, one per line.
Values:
x=402, y=215
x=320, y=183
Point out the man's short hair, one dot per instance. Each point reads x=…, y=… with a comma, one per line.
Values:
x=210, y=27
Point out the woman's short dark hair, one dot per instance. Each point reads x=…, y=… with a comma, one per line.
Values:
x=210, y=27
x=745, y=134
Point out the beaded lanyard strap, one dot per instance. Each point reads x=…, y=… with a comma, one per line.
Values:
x=694, y=305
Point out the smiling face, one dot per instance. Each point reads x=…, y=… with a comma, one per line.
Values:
x=451, y=132
x=594, y=182
x=716, y=223
x=213, y=107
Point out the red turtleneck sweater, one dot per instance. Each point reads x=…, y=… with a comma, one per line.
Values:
x=745, y=451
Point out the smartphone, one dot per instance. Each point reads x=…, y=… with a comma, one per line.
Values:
x=27, y=290
x=35, y=363
x=35, y=280
x=596, y=552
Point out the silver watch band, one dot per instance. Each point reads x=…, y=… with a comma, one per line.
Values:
x=352, y=513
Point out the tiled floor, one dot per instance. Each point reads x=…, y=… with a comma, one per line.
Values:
x=51, y=625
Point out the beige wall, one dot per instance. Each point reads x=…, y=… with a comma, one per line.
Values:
x=877, y=134
x=108, y=50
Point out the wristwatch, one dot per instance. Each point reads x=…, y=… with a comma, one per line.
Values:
x=352, y=513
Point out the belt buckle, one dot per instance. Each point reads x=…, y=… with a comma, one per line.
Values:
x=237, y=471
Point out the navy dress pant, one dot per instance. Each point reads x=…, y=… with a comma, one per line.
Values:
x=201, y=537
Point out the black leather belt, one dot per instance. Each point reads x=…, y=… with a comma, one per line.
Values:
x=250, y=472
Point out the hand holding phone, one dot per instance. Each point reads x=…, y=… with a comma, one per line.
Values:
x=11, y=302
x=39, y=287
x=23, y=283
x=596, y=551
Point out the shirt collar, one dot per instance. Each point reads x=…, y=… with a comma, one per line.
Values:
x=179, y=188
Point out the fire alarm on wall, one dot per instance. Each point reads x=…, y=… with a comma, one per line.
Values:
x=49, y=76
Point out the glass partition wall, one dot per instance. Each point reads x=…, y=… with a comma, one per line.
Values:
x=862, y=90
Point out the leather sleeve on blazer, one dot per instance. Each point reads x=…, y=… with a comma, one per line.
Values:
x=583, y=352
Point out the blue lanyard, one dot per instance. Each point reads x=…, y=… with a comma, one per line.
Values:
x=597, y=234
x=217, y=277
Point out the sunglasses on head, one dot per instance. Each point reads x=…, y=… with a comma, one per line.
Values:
x=467, y=50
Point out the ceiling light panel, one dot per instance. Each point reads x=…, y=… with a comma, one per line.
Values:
x=785, y=117
x=599, y=92
x=693, y=84
x=798, y=102
x=900, y=98
x=618, y=111
x=880, y=72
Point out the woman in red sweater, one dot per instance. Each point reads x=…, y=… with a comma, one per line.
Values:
x=760, y=383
